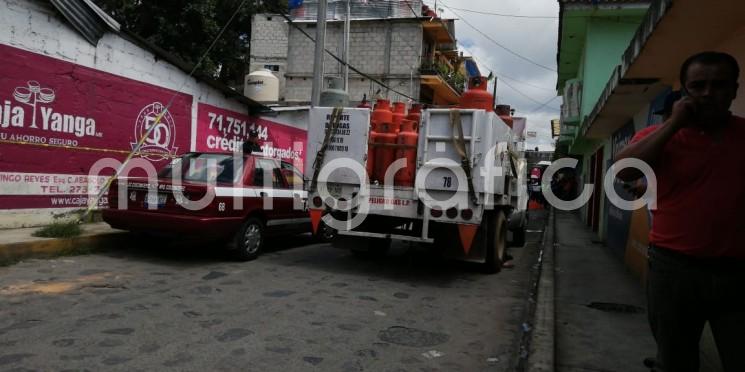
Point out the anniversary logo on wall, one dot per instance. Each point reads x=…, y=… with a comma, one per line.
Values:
x=160, y=143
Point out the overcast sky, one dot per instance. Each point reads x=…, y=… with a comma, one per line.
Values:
x=533, y=38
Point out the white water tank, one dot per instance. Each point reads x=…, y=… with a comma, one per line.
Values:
x=261, y=86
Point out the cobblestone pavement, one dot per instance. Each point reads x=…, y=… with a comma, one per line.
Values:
x=299, y=307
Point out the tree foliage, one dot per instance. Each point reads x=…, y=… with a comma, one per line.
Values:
x=187, y=28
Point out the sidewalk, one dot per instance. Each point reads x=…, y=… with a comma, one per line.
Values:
x=18, y=244
x=591, y=310
x=614, y=334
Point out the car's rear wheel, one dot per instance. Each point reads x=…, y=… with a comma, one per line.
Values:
x=249, y=240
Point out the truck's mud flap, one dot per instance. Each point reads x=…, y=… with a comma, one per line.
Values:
x=448, y=241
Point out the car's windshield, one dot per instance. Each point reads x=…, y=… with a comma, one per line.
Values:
x=218, y=168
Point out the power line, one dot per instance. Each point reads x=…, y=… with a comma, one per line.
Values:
x=498, y=43
x=532, y=16
x=544, y=105
x=499, y=75
x=504, y=15
x=617, y=19
x=528, y=84
x=502, y=77
x=505, y=78
x=518, y=91
x=521, y=93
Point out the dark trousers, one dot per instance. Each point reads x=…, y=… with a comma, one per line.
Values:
x=684, y=293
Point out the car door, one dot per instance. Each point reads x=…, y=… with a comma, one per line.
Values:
x=295, y=183
x=269, y=182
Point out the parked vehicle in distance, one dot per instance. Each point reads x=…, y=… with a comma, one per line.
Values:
x=236, y=214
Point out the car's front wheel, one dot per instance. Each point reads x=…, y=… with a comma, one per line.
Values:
x=249, y=240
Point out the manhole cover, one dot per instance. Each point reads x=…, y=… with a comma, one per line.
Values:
x=615, y=308
x=412, y=337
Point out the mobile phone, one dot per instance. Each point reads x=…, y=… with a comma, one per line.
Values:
x=684, y=93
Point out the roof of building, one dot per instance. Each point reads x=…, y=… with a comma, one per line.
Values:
x=359, y=9
x=90, y=20
x=92, y=23
x=581, y=11
x=599, y=2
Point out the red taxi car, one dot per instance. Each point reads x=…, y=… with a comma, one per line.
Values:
x=236, y=207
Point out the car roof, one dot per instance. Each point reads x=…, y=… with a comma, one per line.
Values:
x=259, y=156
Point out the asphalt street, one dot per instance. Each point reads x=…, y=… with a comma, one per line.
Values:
x=301, y=306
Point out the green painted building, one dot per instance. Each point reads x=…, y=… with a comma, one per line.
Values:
x=593, y=36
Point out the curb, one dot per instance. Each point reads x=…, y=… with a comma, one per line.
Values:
x=542, y=347
x=45, y=248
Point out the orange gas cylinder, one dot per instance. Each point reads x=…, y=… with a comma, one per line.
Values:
x=415, y=115
x=382, y=112
x=476, y=97
x=384, y=155
x=372, y=139
x=407, y=136
x=505, y=113
x=399, y=114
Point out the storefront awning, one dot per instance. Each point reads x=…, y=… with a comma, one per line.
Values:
x=670, y=33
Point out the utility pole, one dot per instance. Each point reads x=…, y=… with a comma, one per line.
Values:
x=347, y=30
x=320, y=54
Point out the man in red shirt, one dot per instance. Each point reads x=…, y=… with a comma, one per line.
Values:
x=697, y=251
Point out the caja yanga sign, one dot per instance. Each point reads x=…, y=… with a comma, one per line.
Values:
x=59, y=118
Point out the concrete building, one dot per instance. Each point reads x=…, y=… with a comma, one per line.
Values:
x=413, y=55
x=269, y=43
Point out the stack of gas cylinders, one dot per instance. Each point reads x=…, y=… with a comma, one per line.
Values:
x=393, y=135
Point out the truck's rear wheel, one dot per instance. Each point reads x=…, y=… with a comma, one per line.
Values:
x=496, y=242
x=518, y=237
x=325, y=233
